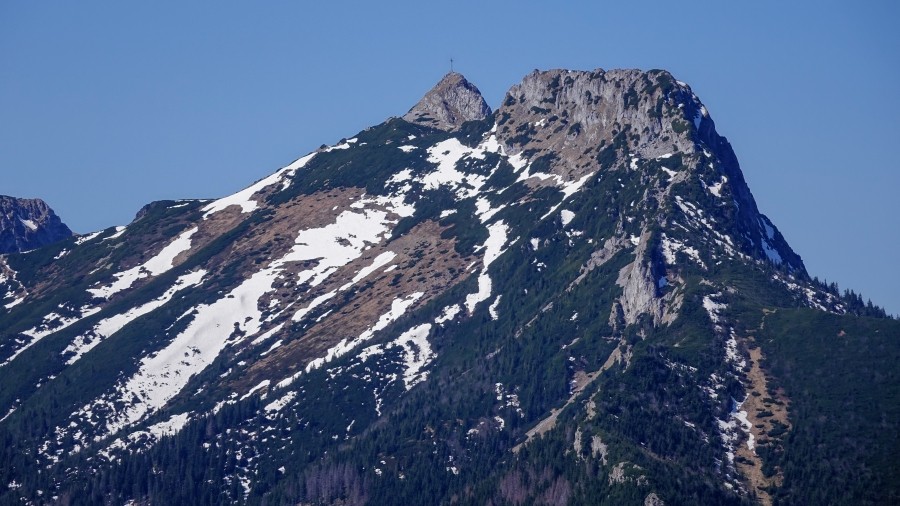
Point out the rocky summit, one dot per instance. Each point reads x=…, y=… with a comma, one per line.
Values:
x=573, y=299
x=451, y=102
x=27, y=224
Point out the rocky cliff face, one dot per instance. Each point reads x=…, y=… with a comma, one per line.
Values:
x=586, y=121
x=27, y=224
x=451, y=102
x=571, y=300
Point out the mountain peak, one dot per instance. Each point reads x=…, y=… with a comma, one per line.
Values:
x=497, y=295
x=27, y=224
x=449, y=104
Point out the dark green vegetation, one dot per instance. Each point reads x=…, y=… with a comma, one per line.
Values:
x=842, y=378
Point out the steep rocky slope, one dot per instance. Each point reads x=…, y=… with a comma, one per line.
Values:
x=448, y=105
x=573, y=299
x=27, y=224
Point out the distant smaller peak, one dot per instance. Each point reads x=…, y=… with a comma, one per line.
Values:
x=449, y=104
x=27, y=224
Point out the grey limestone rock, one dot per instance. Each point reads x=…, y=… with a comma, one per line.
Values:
x=653, y=500
x=585, y=121
x=451, y=102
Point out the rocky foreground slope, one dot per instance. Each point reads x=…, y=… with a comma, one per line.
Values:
x=570, y=300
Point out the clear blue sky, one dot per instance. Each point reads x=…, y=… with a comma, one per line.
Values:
x=106, y=106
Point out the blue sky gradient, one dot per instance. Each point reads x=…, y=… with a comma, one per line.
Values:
x=106, y=106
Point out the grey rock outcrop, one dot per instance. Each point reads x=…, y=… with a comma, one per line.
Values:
x=27, y=224
x=586, y=121
x=653, y=500
x=451, y=102
x=568, y=112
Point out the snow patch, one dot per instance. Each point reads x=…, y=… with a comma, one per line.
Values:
x=169, y=427
x=398, y=308
x=497, y=237
x=299, y=315
x=51, y=323
x=85, y=238
x=568, y=189
x=118, y=233
x=448, y=314
x=716, y=189
x=14, y=303
x=244, y=198
x=280, y=403
x=492, y=310
x=262, y=384
x=771, y=253
x=160, y=263
x=713, y=308
x=415, y=351
x=484, y=211
x=671, y=173
x=671, y=246
x=417, y=354
x=699, y=115
x=109, y=326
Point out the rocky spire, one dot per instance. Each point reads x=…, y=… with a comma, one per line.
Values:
x=27, y=224
x=451, y=102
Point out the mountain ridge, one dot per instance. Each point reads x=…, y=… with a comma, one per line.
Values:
x=499, y=291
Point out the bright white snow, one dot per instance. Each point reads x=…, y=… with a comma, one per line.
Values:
x=28, y=223
x=568, y=189
x=237, y=315
x=280, y=403
x=244, y=198
x=109, y=326
x=119, y=231
x=299, y=315
x=671, y=246
x=448, y=314
x=398, y=308
x=492, y=310
x=417, y=354
x=445, y=155
x=497, y=233
x=713, y=308
x=484, y=211
x=770, y=251
x=716, y=189
x=50, y=324
x=379, y=262
x=158, y=264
